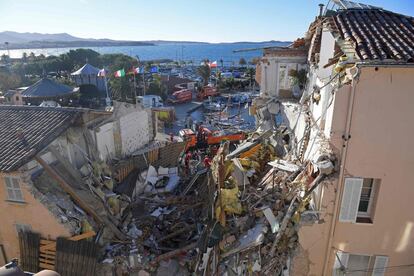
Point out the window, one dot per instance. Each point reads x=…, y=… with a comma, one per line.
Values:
x=358, y=200
x=17, y=98
x=13, y=189
x=359, y=265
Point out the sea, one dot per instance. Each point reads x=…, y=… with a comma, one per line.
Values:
x=230, y=53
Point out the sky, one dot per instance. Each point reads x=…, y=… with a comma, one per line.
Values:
x=184, y=20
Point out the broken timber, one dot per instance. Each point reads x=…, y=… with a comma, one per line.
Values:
x=78, y=200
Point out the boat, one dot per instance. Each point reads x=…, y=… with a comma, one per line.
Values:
x=213, y=106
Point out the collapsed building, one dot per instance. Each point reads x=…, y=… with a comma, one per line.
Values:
x=59, y=170
x=319, y=188
x=353, y=112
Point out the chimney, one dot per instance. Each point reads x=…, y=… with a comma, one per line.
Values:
x=321, y=9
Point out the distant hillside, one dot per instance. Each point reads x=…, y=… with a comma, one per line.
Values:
x=15, y=37
x=37, y=40
x=62, y=40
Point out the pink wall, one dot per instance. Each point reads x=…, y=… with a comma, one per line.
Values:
x=382, y=130
x=381, y=146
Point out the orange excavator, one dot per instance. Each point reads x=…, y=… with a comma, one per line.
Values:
x=206, y=137
x=207, y=91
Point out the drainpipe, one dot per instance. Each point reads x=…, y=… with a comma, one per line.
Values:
x=344, y=151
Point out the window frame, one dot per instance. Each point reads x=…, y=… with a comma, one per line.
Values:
x=372, y=197
x=351, y=200
x=373, y=268
x=11, y=189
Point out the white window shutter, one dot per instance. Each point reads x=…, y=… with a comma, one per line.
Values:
x=380, y=265
x=340, y=264
x=350, y=199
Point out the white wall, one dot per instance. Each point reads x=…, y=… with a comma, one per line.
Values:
x=271, y=69
x=105, y=141
x=135, y=131
x=328, y=46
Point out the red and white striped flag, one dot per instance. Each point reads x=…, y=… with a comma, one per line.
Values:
x=213, y=64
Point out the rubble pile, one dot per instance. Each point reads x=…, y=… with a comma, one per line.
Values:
x=259, y=202
x=238, y=217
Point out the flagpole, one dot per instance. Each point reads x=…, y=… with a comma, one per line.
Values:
x=143, y=77
x=135, y=89
x=108, y=100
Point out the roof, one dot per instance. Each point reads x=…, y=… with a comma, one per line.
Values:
x=26, y=130
x=345, y=4
x=47, y=88
x=375, y=34
x=10, y=93
x=87, y=69
x=285, y=52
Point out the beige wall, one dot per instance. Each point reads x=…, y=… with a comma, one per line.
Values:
x=380, y=147
x=31, y=212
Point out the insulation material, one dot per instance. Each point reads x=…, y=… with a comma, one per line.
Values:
x=230, y=201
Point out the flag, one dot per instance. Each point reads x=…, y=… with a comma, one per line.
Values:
x=136, y=70
x=102, y=73
x=213, y=64
x=119, y=73
x=154, y=69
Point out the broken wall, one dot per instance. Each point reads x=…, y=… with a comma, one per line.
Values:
x=380, y=147
x=135, y=132
x=31, y=212
x=105, y=142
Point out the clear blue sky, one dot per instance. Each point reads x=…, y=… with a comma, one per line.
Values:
x=195, y=20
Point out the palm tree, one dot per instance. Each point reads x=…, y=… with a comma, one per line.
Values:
x=221, y=63
x=250, y=73
x=32, y=56
x=242, y=62
x=204, y=72
x=24, y=57
x=4, y=58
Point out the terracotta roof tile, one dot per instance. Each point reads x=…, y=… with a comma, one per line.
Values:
x=377, y=34
x=25, y=130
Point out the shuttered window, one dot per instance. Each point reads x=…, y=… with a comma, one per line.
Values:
x=350, y=199
x=341, y=262
x=381, y=262
x=359, y=265
x=14, y=192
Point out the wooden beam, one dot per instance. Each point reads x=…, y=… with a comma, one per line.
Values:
x=173, y=253
x=52, y=246
x=68, y=189
x=78, y=200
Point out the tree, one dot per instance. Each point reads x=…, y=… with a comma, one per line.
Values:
x=204, y=72
x=242, y=62
x=24, y=57
x=255, y=61
x=156, y=87
x=32, y=56
x=9, y=81
x=221, y=63
x=251, y=74
x=299, y=78
x=4, y=58
x=123, y=88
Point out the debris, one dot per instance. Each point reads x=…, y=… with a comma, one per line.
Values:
x=253, y=237
x=284, y=165
x=274, y=225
